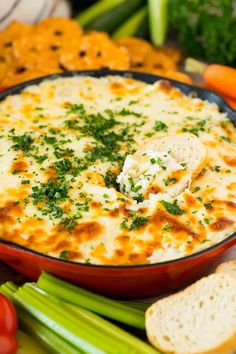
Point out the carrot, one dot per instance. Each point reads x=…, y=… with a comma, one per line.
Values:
x=222, y=79
x=219, y=78
x=231, y=102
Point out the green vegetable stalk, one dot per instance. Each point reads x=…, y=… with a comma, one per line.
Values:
x=111, y=19
x=83, y=330
x=93, y=302
x=131, y=26
x=158, y=20
x=95, y=10
x=63, y=327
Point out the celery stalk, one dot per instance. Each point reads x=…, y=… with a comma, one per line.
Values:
x=47, y=338
x=27, y=345
x=96, y=10
x=93, y=302
x=143, y=306
x=82, y=329
x=8, y=289
x=35, y=329
x=158, y=20
x=114, y=331
x=60, y=321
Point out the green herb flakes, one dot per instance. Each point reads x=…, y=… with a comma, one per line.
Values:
x=173, y=209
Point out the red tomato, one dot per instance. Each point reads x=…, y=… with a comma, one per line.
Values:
x=8, y=344
x=8, y=318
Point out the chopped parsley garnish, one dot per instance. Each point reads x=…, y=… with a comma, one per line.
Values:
x=133, y=102
x=50, y=139
x=153, y=160
x=195, y=129
x=139, y=198
x=82, y=206
x=123, y=224
x=160, y=126
x=138, y=222
x=25, y=181
x=173, y=209
x=149, y=134
x=64, y=254
x=127, y=112
x=69, y=223
x=77, y=109
x=53, y=191
x=169, y=181
x=167, y=227
x=184, y=165
x=225, y=138
x=53, y=210
x=62, y=167
x=22, y=142
x=40, y=158
x=110, y=180
x=132, y=185
x=60, y=152
x=96, y=125
x=208, y=205
x=158, y=160
x=216, y=168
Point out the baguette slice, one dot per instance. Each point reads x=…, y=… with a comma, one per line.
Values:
x=198, y=320
x=165, y=164
x=227, y=268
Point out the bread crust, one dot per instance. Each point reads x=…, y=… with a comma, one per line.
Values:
x=227, y=268
x=226, y=347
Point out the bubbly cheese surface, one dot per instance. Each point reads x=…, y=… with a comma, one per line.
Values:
x=63, y=144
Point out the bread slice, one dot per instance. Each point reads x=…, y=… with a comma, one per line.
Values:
x=165, y=164
x=227, y=268
x=198, y=320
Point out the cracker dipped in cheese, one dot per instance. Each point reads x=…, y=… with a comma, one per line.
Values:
x=67, y=145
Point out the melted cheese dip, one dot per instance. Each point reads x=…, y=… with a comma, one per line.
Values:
x=64, y=142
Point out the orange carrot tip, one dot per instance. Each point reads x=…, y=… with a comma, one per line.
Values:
x=219, y=78
x=231, y=102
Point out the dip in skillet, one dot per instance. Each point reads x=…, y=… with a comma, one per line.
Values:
x=115, y=171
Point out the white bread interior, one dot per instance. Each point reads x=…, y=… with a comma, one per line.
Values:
x=198, y=320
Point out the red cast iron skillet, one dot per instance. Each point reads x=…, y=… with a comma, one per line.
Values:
x=133, y=281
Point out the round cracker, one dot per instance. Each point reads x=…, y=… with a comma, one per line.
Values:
x=95, y=50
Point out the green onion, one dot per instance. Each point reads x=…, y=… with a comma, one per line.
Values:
x=80, y=328
x=131, y=26
x=93, y=302
x=96, y=10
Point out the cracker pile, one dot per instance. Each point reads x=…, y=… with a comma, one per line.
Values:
x=56, y=45
x=159, y=61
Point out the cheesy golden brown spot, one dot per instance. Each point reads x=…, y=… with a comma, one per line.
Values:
x=64, y=142
x=221, y=224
